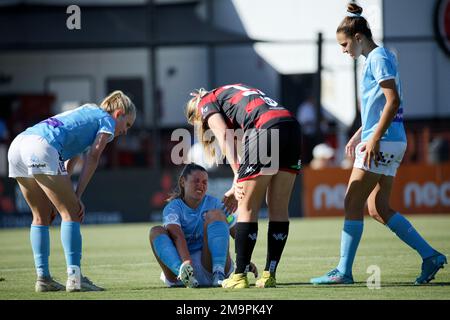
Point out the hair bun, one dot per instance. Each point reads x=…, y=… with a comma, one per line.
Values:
x=354, y=8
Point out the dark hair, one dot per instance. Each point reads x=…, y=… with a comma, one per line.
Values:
x=353, y=25
x=187, y=170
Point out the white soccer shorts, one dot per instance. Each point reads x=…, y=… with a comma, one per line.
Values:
x=31, y=154
x=391, y=153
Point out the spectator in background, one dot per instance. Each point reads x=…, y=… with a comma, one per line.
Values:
x=322, y=157
x=312, y=134
x=307, y=117
x=37, y=161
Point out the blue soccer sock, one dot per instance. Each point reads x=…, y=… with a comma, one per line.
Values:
x=350, y=237
x=167, y=252
x=40, y=243
x=406, y=232
x=71, y=242
x=218, y=241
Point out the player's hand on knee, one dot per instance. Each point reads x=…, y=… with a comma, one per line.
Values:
x=230, y=201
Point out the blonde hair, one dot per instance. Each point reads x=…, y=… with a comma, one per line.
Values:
x=118, y=100
x=194, y=117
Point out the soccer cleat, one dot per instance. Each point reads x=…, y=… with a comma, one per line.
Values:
x=186, y=275
x=88, y=285
x=333, y=277
x=430, y=266
x=85, y=285
x=47, y=284
x=267, y=280
x=236, y=281
x=218, y=278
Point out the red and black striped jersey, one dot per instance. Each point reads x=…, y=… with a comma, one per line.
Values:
x=243, y=107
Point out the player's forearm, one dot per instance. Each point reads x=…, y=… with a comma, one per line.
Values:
x=229, y=149
x=89, y=167
x=357, y=135
x=182, y=248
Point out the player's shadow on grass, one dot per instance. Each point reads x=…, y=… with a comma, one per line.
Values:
x=364, y=284
x=409, y=284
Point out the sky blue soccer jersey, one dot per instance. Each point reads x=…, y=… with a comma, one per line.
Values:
x=380, y=65
x=73, y=132
x=190, y=220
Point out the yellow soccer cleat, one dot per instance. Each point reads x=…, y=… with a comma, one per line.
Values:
x=236, y=281
x=267, y=280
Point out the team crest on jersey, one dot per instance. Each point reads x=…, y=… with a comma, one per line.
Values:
x=172, y=217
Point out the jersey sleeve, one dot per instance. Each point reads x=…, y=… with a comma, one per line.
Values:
x=208, y=105
x=382, y=69
x=171, y=214
x=107, y=125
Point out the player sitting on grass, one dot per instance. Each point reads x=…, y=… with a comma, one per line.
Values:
x=37, y=159
x=192, y=245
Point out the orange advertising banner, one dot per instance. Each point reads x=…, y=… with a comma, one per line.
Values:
x=417, y=189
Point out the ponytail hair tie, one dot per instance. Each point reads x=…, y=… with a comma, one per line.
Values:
x=353, y=15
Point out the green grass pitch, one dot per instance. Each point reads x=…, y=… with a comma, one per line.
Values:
x=119, y=258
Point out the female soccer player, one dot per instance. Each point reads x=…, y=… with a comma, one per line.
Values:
x=192, y=245
x=379, y=146
x=37, y=161
x=239, y=116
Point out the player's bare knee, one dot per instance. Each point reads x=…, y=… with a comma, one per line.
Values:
x=39, y=220
x=214, y=215
x=156, y=231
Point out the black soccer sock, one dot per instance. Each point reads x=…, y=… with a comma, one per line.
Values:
x=276, y=239
x=246, y=234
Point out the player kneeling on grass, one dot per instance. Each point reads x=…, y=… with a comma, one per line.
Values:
x=192, y=245
x=379, y=146
x=37, y=160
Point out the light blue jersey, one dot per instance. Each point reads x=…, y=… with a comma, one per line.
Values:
x=73, y=132
x=190, y=220
x=380, y=65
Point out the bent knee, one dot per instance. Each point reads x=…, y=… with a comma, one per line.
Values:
x=156, y=231
x=214, y=215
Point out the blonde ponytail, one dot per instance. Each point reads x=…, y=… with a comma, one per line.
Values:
x=118, y=100
x=194, y=117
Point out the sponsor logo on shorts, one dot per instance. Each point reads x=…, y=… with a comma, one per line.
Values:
x=37, y=165
x=35, y=162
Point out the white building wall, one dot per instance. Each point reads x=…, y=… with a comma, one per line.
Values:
x=424, y=67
